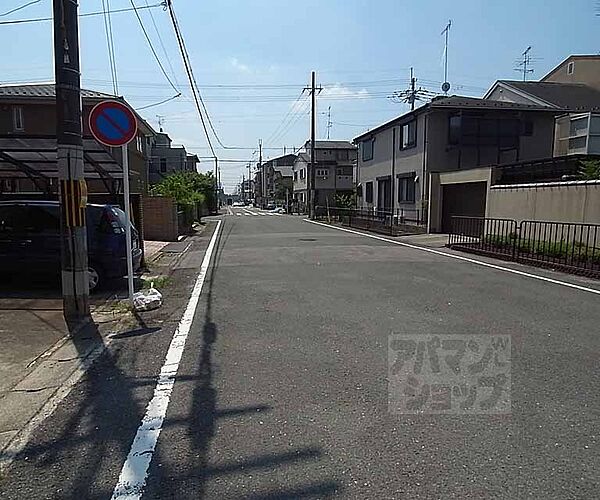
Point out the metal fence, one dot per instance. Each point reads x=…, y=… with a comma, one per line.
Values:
x=390, y=222
x=570, y=247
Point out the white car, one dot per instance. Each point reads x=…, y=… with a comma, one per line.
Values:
x=237, y=204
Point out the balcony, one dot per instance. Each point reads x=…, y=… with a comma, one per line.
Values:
x=577, y=134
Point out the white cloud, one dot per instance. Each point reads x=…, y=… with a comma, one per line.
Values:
x=338, y=91
x=236, y=64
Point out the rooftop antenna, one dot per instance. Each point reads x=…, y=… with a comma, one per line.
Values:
x=329, y=124
x=161, y=121
x=446, y=32
x=525, y=63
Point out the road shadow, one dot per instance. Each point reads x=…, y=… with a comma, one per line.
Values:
x=200, y=423
x=88, y=433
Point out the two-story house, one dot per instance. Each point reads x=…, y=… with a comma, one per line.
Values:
x=573, y=88
x=276, y=180
x=335, y=162
x=453, y=133
x=28, y=124
x=167, y=159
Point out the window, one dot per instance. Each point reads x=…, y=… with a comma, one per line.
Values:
x=342, y=155
x=579, y=126
x=322, y=172
x=367, y=147
x=369, y=192
x=295, y=175
x=347, y=171
x=163, y=165
x=302, y=174
x=406, y=188
x=408, y=135
x=570, y=68
x=454, y=130
x=139, y=143
x=18, y=124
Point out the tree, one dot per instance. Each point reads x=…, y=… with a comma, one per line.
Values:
x=187, y=188
x=589, y=170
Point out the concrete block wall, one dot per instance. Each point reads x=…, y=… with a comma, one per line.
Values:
x=575, y=201
x=160, y=218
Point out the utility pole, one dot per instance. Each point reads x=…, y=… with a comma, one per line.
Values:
x=69, y=143
x=216, y=184
x=249, y=182
x=329, y=124
x=413, y=93
x=263, y=180
x=313, y=134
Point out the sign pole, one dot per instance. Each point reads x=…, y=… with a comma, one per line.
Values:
x=125, y=155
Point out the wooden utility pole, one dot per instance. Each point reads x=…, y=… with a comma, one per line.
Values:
x=69, y=143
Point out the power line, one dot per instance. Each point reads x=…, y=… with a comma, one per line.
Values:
x=159, y=103
x=162, y=68
x=160, y=40
x=21, y=7
x=189, y=74
x=273, y=134
x=85, y=14
x=110, y=45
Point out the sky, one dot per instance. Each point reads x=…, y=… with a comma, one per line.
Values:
x=253, y=58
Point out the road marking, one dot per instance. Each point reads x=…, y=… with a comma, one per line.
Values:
x=459, y=257
x=135, y=469
x=229, y=210
x=238, y=214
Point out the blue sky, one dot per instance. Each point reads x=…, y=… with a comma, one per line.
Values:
x=253, y=57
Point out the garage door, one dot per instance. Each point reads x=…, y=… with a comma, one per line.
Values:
x=462, y=199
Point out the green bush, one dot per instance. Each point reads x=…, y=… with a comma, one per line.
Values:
x=187, y=188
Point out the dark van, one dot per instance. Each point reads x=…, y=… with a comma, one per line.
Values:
x=30, y=240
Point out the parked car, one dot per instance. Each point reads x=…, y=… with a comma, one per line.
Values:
x=30, y=240
x=238, y=204
x=270, y=206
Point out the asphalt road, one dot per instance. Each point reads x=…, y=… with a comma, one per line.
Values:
x=282, y=390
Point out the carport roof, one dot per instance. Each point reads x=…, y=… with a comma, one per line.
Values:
x=28, y=157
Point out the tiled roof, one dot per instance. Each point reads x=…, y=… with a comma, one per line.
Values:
x=457, y=101
x=567, y=96
x=44, y=91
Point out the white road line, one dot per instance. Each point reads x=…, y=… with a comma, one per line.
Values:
x=135, y=469
x=247, y=214
x=459, y=257
x=229, y=211
x=238, y=214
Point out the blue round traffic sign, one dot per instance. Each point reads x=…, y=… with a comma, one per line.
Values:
x=112, y=123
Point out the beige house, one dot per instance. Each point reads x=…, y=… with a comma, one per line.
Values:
x=334, y=172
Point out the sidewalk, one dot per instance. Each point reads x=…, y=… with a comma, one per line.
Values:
x=40, y=362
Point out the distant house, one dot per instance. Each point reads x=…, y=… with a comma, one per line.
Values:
x=397, y=159
x=28, y=123
x=573, y=89
x=275, y=180
x=167, y=159
x=335, y=162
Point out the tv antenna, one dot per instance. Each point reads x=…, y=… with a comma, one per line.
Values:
x=329, y=123
x=525, y=63
x=161, y=121
x=446, y=32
